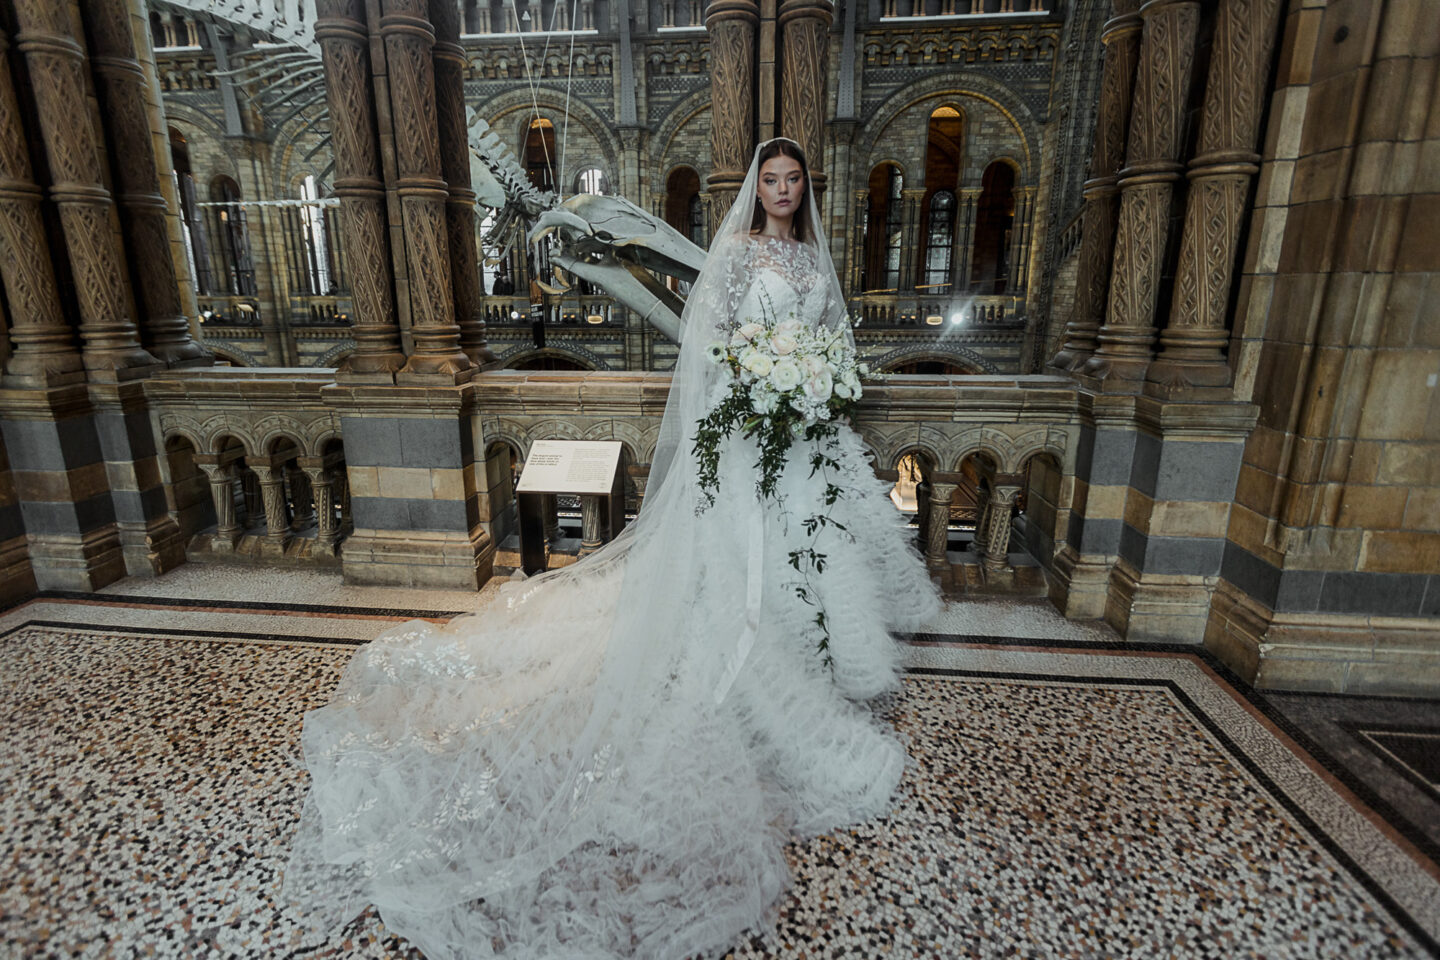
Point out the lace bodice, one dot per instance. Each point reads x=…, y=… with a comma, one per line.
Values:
x=784, y=279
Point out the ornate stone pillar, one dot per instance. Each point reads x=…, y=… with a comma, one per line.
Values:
x=44, y=352
x=111, y=349
x=455, y=166
x=121, y=87
x=965, y=204
x=1020, y=241
x=731, y=25
x=550, y=516
x=910, y=201
x=590, y=539
x=327, y=531
x=409, y=42
x=858, y=234
x=222, y=493
x=1192, y=343
x=1102, y=197
x=345, y=49
x=300, y=497
x=997, y=533
x=640, y=480
x=272, y=494
x=939, y=529
x=805, y=40
x=1152, y=166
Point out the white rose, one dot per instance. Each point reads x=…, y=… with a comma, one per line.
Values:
x=843, y=391
x=786, y=375
x=790, y=328
x=819, y=385
x=737, y=341
x=764, y=401
x=756, y=362
x=750, y=330
x=813, y=365
x=783, y=343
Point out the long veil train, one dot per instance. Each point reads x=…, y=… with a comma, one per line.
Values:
x=608, y=760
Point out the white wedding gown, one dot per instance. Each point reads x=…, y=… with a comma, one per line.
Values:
x=608, y=761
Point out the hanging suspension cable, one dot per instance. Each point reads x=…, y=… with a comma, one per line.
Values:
x=569, y=82
x=530, y=79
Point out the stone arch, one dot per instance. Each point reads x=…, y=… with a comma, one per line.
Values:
x=935, y=351
x=229, y=351
x=272, y=430
x=973, y=446
x=324, y=438
x=676, y=120
x=333, y=356
x=959, y=85
x=182, y=431
x=568, y=351
x=555, y=429
x=551, y=103
x=508, y=431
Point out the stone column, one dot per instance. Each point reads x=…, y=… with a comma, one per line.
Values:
x=939, y=529
x=121, y=87
x=272, y=494
x=640, y=481
x=859, y=230
x=731, y=25
x=910, y=201
x=1121, y=38
x=805, y=40
x=997, y=533
x=965, y=205
x=111, y=348
x=982, y=519
x=409, y=42
x=590, y=539
x=1020, y=241
x=300, y=497
x=222, y=492
x=327, y=531
x=549, y=512
x=1147, y=182
x=455, y=166
x=44, y=352
x=1192, y=343
x=345, y=48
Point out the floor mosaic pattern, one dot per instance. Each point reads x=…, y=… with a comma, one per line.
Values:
x=1068, y=799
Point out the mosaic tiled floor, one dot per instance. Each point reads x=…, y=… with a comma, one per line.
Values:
x=1068, y=799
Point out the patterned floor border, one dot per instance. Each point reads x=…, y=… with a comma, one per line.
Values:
x=1393, y=861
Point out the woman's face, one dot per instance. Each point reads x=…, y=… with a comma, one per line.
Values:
x=782, y=185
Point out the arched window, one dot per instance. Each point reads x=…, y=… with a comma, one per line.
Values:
x=939, y=241
x=883, y=223
x=315, y=242
x=540, y=153
x=197, y=246
x=237, y=271
x=994, y=217
x=682, y=200
x=591, y=181
x=942, y=175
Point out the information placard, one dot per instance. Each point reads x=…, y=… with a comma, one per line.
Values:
x=570, y=466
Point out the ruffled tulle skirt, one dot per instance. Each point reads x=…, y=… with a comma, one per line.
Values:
x=564, y=775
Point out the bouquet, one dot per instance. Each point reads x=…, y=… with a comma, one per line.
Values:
x=786, y=380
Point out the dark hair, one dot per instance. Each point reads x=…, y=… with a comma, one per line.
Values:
x=785, y=148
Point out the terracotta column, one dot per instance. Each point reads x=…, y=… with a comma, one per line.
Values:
x=997, y=536
x=805, y=40
x=939, y=529
x=858, y=234
x=731, y=25
x=409, y=43
x=1192, y=343
x=44, y=352
x=640, y=482
x=1101, y=212
x=300, y=496
x=982, y=519
x=121, y=87
x=966, y=202
x=455, y=166
x=910, y=201
x=111, y=348
x=1152, y=166
x=345, y=49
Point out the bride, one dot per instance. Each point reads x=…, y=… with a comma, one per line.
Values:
x=608, y=760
